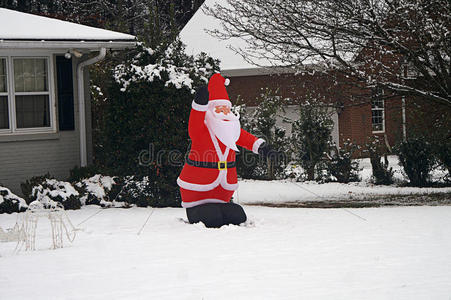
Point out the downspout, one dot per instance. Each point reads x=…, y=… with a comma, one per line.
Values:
x=404, y=131
x=81, y=104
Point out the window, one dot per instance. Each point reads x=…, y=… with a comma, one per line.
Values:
x=377, y=111
x=25, y=98
x=32, y=93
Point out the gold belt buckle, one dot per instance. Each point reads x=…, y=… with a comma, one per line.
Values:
x=222, y=165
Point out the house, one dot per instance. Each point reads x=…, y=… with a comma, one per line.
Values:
x=45, y=113
x=354, y=119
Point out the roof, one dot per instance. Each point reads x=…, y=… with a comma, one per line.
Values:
x=197, y=40
x=22, y=29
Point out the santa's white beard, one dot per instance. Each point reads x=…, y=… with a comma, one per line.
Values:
x=226, y=128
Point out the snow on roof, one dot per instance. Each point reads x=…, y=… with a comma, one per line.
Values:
x=198, y=40
x=16, y=25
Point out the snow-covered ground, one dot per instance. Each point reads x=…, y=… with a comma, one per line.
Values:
x=288, y=253
x=285, y=191
x=288, y=191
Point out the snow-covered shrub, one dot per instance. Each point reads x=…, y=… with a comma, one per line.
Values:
x=295, y=171
x=376, y=149
x=27, y=186
x=79, y=173
x=262, y=123
x=147, y=113
x=136, y=191
x=340, y=163
x=442, y=152
x=97, y=190
x=10, y=202
x=417, y=159
x=58, y=191
x=311, y=135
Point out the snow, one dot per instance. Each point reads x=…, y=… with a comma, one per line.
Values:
x=285, y=191
x=97, y=186
x=289, y=191
x=19, y=25
x=279, y=253
x=54, y=189
x=7, y=195
x=288, y=253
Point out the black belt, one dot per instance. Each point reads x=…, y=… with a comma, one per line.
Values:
x=220, y=165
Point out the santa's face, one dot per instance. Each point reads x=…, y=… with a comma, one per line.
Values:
x=223, y=112
x=222, y=109
x=223, y=122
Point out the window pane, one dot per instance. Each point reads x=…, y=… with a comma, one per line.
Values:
x=3, y=88
x=377, y=120
x=32, y=111
x=4, y=118
x=30, y=75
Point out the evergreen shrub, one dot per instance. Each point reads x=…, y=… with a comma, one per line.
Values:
x=381, y=172
x=10, y=203
x=144, y=130
x=417, y=159
x=340, y=163
x=311, y=135
x=27, y=186
x=58, y=191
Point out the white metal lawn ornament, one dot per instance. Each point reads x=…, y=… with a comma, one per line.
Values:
x=59, y=221
x=11, y=234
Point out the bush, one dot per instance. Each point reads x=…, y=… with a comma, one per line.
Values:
x=59, y=191
x=97, y=190
x=10, y=202
x=340, y=163
x=442, y=152
x=27, y=186
x=262, y=123
x=382, y=174
x=294, y=171
x=78, y=173
x=136, y=191
x=311, y=135
x=417, y=159
x=144, y=129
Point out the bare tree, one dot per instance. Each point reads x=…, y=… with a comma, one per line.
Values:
x=153, y=21
x=401, y=45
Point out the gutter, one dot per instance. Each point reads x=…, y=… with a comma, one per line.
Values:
x=49, y=44
x=81, y=103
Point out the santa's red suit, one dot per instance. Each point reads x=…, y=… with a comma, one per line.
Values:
x=209, y=176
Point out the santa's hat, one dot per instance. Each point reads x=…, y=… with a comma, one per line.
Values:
x=216, y=88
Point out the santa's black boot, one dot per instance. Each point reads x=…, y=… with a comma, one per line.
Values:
x=233, y=214
x=210, y=214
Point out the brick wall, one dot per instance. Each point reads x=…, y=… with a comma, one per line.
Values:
x=354, y=120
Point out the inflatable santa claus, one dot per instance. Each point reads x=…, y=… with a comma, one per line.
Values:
x=209, y=178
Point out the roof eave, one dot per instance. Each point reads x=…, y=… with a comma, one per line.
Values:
x=65, y=44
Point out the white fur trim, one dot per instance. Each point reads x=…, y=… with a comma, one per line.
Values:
x=199, y=202
x=256, y=145
x=216, y=102
x=220, y=180
x=199, y=187
x=229, y=186
x=199, y=107
x=227, y=82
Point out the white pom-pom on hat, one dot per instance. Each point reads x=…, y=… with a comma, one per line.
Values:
x=227, y=82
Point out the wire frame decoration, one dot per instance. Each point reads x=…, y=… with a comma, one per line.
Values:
x=24, y=231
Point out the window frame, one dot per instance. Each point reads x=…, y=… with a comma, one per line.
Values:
x=2, y=94
x=378, y=97
x=11, y=94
